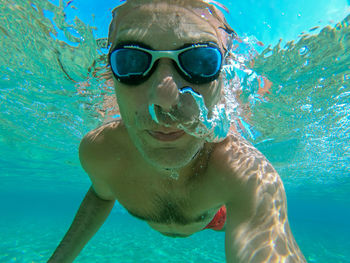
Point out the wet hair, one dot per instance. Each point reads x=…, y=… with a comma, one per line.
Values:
x=205, y=9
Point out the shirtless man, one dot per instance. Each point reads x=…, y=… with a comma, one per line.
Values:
x=226, y=186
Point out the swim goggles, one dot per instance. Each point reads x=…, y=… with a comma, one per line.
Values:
x=197, y=63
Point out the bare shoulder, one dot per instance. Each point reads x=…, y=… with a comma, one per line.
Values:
x=100, y=142
x=251, y=170
x=99, y=152
x=257, y=222
x=238, y=158
x=247, y=174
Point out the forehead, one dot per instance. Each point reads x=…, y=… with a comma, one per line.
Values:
x=164, y=27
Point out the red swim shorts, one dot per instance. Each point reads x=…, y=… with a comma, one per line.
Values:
x=219, y=219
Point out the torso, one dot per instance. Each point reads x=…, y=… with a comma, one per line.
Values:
x=172, y=207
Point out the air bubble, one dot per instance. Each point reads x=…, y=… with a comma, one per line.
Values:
x=303, y=50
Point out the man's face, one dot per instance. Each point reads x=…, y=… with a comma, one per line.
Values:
x=168, y=29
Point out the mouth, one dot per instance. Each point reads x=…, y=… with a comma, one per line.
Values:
x=166, y=136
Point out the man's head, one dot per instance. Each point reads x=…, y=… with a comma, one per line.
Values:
x=139, y=30
x=201, y=8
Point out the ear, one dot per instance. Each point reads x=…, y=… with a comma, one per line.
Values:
x=111, y=32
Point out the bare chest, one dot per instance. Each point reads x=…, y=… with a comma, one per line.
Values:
x=181, y=209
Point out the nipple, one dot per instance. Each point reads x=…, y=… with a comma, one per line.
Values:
x=191, y=115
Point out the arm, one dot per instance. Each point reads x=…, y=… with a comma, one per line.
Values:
x=91, y=215
x=262, y=232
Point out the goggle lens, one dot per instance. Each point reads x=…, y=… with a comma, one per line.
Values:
x=198, y=64
x=127, y=62
x=201, y=62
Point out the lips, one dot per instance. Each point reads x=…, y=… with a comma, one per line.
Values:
x=166, y=136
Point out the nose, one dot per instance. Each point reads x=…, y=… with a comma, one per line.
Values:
x=165, y=92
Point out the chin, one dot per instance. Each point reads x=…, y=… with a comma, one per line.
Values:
x=167, y=164
x=170, y=158
x=162, y=162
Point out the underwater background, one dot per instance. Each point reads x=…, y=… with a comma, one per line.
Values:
x=294, y=106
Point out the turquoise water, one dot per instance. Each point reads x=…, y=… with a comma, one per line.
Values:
x=49, y=99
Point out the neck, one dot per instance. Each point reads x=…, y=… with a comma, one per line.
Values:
x=173, y=173
x=196, y=166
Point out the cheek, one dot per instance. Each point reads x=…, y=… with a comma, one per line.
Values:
x=125, y=102
x=132, y=105
x=127, y=97
x=212, y=93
